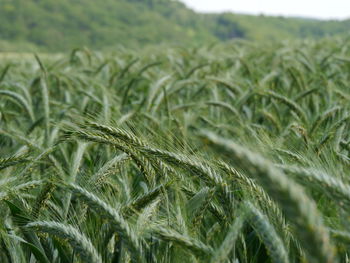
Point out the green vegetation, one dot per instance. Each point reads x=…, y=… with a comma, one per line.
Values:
x=237, y=152
x=50, y=25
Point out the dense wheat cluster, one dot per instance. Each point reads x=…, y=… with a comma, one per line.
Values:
x=229, y=153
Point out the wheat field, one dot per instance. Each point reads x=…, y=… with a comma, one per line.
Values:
x=227, y=153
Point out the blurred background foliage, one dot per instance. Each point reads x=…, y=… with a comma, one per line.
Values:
x=50, y=25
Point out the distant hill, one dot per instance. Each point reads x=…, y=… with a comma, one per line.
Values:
x=55, y=25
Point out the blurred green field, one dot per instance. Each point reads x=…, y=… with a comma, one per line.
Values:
x=234, y=152
x=59, y=26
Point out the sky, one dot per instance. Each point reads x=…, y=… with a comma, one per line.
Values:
x=322, y=9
